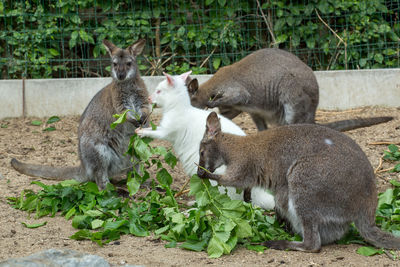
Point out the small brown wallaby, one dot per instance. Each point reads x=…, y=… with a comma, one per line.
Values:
x=274, y=86
x=321, y=179
x=101, y=149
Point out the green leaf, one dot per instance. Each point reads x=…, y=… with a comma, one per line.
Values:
x=82, y=235
x=81, y=222
x=196, y=185
x=53, y=119
x=36, y=122
x=35, y=225
x=386, y=197
x=170, y=159
x=369, y=251
x=137, y=230
x=164, y=177
x=54, y=52
x=209, y=2
x=194, y=245
x=121, y=118
x=171, y=244
x=181, y=31
x=70, y=213
x=216, y=62
x=258, y=248
x=393, y=148
x=133, y=186
x=221, y=3
x=215, y=248
x=114, y=225
x=67, y=183
x=378, y=57
x=49, y=129
x=97, y=223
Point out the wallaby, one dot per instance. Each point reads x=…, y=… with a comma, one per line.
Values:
x=321, y=179
x=101, y=149
x=183, y=126
x=274, y=86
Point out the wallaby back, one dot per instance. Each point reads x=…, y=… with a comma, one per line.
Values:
x=274, y=86
x=321, y=179
x=101, y=149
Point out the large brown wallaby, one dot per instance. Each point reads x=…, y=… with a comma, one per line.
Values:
x=101, y=149
x=321, y=179
x=274, y=86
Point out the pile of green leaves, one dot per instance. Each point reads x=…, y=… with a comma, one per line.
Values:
x=215, y=223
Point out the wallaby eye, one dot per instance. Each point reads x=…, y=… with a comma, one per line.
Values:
x=114, y=64
x=129, y=64
x=158, y=91
x=202, y=153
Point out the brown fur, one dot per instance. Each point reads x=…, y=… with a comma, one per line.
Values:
x=321, y=179
x=274, y=86
x=101, y=149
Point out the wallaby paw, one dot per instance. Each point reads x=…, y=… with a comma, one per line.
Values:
x=276, y=244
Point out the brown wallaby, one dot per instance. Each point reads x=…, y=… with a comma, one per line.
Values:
x=321, y=179
x=274, y=86
x=101, y=149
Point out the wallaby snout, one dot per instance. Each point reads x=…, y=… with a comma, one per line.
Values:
x=121, y=76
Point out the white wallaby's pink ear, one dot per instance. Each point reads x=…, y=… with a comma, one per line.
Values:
x=170, y=79
x=185, y=75
x=213, y=126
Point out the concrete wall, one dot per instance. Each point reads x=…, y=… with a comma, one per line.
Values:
x=338, y=90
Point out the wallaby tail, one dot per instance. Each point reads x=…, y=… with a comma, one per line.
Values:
x=347, y=125
x=375, y=236
x=49, y=172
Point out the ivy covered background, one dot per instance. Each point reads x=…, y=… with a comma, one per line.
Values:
x=62, y=38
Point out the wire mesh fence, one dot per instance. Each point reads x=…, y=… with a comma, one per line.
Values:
x=62, y=39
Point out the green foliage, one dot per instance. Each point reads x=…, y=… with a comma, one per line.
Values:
x=366, y=35
x=63, y=38
x=393, y=155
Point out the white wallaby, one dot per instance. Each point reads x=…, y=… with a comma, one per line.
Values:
x=183, y=126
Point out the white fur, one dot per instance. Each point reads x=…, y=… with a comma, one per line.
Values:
x=328, y=141
x=184, y=125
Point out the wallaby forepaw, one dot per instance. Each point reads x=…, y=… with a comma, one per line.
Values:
x=276, y=244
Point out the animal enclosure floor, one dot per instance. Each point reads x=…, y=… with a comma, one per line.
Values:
x=26, y=142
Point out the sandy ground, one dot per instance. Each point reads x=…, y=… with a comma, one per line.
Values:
x=20, y=139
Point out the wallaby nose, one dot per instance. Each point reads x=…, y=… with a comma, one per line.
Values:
x=121, y=76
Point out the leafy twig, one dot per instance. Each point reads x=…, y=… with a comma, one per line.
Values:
x=202, y=168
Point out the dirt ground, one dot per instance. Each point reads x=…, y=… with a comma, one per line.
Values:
x=20, y=139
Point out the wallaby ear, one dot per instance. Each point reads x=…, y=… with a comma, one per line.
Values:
x=192, y=85
x=137, y=48
x=170, y=79
x=110, y=47
x=213, y=126
x=185, y=76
